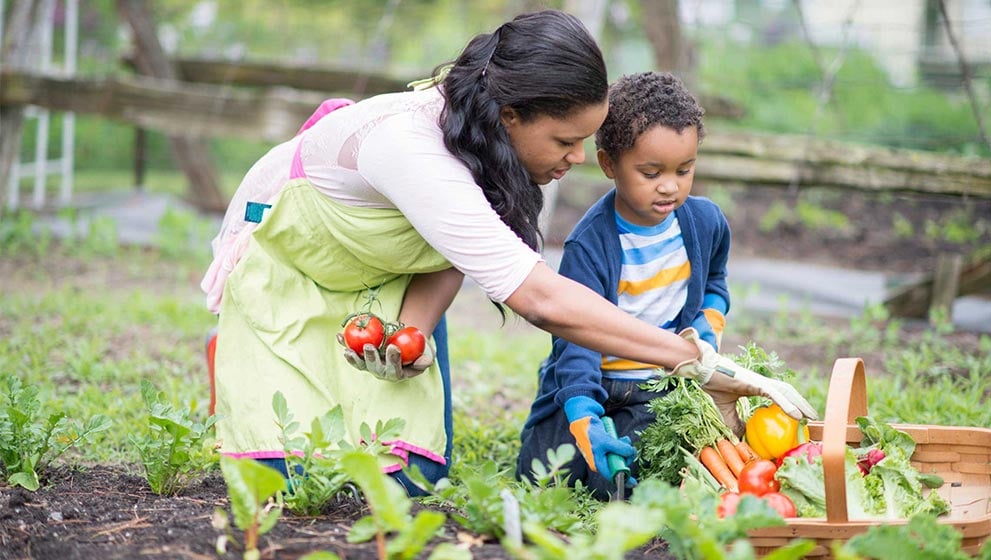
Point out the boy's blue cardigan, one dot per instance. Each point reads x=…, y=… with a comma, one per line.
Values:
x=593, y=257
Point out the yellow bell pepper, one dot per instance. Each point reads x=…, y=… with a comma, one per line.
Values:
x=771, y=433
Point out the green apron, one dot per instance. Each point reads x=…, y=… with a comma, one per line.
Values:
x=307, y=266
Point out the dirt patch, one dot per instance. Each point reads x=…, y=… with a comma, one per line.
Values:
x=107, y=513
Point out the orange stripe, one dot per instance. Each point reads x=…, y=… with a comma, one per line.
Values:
x=620, y=364
x=663, y=278
x=579, y=429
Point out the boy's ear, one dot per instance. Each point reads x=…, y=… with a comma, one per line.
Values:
x=606, y=163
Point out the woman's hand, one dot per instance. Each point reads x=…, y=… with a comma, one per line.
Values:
x=389, y=368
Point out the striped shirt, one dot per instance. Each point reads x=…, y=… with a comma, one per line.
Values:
x=653, y=284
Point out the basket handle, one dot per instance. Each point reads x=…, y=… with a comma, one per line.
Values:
x=846, y=400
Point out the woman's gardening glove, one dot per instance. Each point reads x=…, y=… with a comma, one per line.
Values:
x=391, y=367
x=585, y=416
x=725, y=382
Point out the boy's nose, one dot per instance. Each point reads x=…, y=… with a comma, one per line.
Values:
x=667, y=186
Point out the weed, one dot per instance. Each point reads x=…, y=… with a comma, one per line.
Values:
x=175, y=450
x=28, y=443
x=315, y=477
x=390, y=511
x=254, y=492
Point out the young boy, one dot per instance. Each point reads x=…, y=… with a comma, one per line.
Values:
x=647, y=246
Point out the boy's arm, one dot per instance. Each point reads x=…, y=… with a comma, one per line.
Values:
x=578, y=368
x=711, y=319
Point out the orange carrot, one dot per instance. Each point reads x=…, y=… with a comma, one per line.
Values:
x=746, y=452
x=731, y=456
x=714, y=462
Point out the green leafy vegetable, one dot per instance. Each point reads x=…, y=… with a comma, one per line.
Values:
x=686, y=418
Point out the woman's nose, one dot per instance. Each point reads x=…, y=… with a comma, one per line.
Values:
x=577, y=155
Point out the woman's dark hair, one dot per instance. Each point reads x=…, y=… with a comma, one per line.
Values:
x=542, y=63
x=639, y=102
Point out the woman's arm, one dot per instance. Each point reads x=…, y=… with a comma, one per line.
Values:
x=573, y=312
x=427, y=298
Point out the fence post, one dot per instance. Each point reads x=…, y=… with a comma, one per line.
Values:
x=946, y=283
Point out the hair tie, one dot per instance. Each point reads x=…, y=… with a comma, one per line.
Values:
x=495, y=34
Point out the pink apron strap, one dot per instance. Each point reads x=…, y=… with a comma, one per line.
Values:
x=328, y=106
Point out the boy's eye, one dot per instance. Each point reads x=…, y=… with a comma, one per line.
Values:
x=565, y=143
x=650, y=175
x=684, y=171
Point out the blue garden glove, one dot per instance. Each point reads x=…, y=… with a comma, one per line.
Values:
x=584, y=414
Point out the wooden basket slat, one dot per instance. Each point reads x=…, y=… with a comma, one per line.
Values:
x=960, y=455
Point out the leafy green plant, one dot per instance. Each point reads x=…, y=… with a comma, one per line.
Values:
x=181, y=233
x=922, y=538
x=176, y=449
x=254, y=490
x=479, y=499
x=622, y=527
x=18, y=235
x=692, y=529
x=390, y=511
x=29, y=443
x=314, y=474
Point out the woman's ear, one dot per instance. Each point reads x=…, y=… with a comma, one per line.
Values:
x=508, y=116
x=606, y=163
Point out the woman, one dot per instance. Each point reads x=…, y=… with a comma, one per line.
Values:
x=404, y=193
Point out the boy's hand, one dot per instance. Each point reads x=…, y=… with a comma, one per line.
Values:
x=594, y=443
x=725, y=382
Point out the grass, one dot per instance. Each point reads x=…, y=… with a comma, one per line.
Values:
x=87, y=329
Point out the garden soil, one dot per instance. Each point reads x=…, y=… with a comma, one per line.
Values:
x=107, y=511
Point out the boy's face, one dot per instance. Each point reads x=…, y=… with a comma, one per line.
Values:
x=655, y=176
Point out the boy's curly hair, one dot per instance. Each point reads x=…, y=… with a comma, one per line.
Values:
x=638, y=102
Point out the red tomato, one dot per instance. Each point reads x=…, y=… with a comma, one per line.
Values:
x=411, y=343
x=757, y=477
x=361, y=330
x=727, y=504
x=781, y=504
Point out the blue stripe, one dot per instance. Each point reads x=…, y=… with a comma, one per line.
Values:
x=649, y=253
x=646, y=231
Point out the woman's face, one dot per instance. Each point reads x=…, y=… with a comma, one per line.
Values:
x=548, y=146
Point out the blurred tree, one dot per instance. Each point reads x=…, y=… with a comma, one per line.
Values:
x=673, y=52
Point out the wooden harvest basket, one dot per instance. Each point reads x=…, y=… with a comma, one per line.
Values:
x=962, y=456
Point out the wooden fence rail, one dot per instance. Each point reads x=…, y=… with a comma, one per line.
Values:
x=274, y=113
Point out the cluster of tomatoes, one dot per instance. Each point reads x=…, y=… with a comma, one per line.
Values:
x=757, y=478
x=367, y=328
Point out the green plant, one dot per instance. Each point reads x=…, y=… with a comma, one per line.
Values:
x=175, y=450
x=777, y=214
x=314, y=474
x=390, y=511
x=922, y=538
x=479, y=500
x=28, y=443
x=181, y=233
x=902, y=226
x=18, y=235
x=254, y=492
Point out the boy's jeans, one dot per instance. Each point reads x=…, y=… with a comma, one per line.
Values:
x=626, y=405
